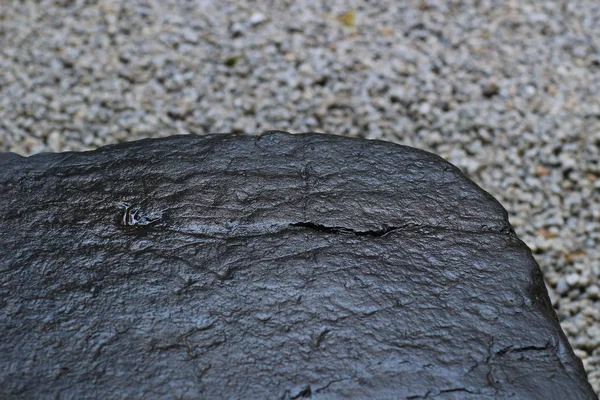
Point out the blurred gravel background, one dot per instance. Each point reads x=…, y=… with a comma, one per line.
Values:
x=509, y=91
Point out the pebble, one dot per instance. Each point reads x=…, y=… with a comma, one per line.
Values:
x=562, y=287
x=257, y=18
x=572, y=279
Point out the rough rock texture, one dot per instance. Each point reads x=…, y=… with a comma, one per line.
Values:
x=275, y=266
x=508, y=91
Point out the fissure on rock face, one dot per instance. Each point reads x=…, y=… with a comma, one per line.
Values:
x=146, y=224
x=338, y=229
x=387, y=229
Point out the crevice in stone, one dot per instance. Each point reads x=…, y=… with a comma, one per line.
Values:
x=305, y=392
x=342, y=230
x=522, y=349
x=505, y=229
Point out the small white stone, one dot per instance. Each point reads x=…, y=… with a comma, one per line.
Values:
x=593, y=292
x=562, y=287
x=572, y=279
x=580, y=353
x=54, y=141
x=530, y=90
x=257, y=18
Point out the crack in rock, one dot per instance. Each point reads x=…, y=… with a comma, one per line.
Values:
x=505, y=229
x=338, y=229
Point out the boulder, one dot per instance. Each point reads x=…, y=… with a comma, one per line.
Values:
x=276, y=266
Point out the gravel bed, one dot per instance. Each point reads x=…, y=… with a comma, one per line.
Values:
x=509, y=91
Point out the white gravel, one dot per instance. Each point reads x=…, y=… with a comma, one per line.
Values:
x=507, y=90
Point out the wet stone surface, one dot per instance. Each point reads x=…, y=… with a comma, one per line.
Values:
x=273, y=266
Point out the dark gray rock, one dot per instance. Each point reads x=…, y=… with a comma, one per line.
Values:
x=279, y=266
